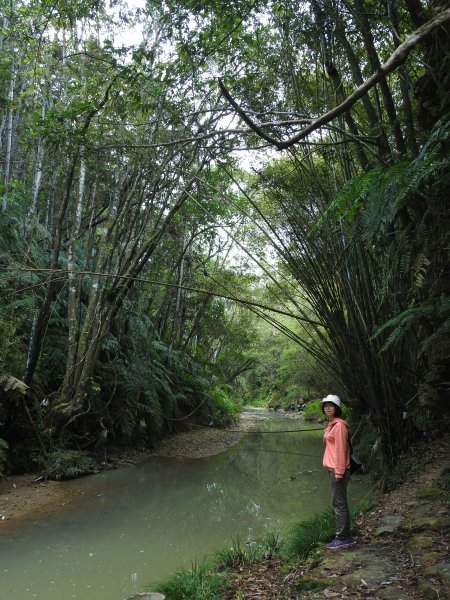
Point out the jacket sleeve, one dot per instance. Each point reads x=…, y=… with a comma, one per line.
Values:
x=342, y=450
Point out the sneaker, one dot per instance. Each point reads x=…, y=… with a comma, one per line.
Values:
x=338, y=544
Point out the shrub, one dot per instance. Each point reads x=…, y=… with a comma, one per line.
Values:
x=67, y=464
x=237, y=555
x=313, y=411
x=197, y=583
x=304, y=537
x=224, y=408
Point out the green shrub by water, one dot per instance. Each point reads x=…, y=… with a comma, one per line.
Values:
x=197, y=583
x=304, y=537
x=313, y=411
x=239, y=554
x=225, y=407
x=67, y=464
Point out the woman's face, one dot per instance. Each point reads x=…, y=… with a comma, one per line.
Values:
x=329, y=409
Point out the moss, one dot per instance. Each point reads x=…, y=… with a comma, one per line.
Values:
x=309, y=584
x=425, y=524
x=430, y=492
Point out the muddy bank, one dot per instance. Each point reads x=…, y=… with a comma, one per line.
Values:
x=26, y=497
x=206, y=441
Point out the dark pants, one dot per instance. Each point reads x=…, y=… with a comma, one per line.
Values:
x=339, y=494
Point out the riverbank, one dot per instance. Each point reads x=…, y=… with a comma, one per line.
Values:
x=401, y=551
x=402, y=543
x=28, y=497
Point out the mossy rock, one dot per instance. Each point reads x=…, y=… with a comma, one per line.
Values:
x=440, y=570
x=429, y=558
x=338, y=561
x=425, y=524
x=420, y=542
x=430, y=592
x=430, y=492
x=310, y=584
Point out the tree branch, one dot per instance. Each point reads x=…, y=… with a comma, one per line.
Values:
x=397, y=58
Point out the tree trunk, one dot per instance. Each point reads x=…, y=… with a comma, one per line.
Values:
x=9, y=136
x=360, y=11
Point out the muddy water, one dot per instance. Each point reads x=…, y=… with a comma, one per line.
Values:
x=135, y=526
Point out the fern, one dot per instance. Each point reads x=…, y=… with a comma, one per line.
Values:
x=408, y=318
x=67, y=464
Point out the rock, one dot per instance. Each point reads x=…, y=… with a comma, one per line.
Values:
x=373, y=571
x=420, y=542
x=389, y=524
x=430, y=558
x=425, y=524
x=430, y=592
x=310, y=584
x=338, y=561
x=441, y=570
x=392, y=593
x=424, y=509
x=430, y=492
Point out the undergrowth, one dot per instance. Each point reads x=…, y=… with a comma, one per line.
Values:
x=305, y=536
x=67, y=464
x=199, y=582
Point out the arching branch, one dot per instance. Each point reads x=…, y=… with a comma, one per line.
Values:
x=397, y=58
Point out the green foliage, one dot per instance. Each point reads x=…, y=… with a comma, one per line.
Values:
x=238, y=555
x=224, y=406
x=67, y=464
x=197, y=583
x=367, y=505
x=313, y=411
x=284, y=372
x=157, y=388
x=305, y=536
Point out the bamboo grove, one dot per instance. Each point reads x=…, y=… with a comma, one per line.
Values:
x=291, y=155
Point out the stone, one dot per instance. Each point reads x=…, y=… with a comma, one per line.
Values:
x=417, y=543
x=392, y=593
x=430, y=558
x=388, y=524
x=370, y=569
x=430, y=492
x=425, y=524
x=310, y=584
x=441, y=570
x=427, y=590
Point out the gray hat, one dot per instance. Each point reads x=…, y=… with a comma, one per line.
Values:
x=332, y=398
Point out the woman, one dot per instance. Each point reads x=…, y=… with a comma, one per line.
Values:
x=336, y=460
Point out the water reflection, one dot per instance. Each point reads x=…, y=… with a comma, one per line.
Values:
x=137, y=525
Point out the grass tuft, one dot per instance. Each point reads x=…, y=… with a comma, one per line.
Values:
x=305, y=537
x=197, y=583
x=239, y=554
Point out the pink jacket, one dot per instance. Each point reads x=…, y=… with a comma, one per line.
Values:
x=337, y=449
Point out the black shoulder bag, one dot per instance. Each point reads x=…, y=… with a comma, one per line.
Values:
x=355, y=463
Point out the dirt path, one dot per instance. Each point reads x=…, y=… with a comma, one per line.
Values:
x=402, y=549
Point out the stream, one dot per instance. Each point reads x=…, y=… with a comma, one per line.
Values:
x=136, y=525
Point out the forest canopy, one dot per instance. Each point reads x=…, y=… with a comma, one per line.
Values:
x=243, y=199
